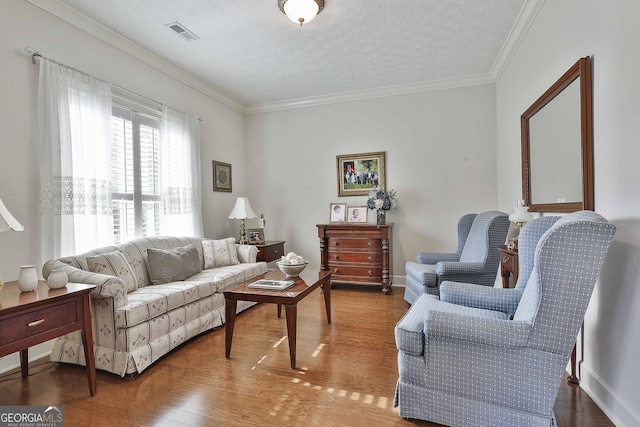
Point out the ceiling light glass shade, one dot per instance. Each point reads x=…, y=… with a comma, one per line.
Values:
x=8, y=219
x=301, y=11
x=242, y=209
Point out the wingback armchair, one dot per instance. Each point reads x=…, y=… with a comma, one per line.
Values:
x=475, y=261
x=490, y=356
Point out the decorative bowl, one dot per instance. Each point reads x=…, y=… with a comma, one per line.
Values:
x=291, y=270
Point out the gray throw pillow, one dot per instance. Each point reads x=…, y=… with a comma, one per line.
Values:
x=173, y=265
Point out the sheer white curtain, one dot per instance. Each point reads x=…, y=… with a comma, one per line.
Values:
x=181, y=213
x=74, y=130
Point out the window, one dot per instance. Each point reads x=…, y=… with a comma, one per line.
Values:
x=135, y=174
x=101, y=164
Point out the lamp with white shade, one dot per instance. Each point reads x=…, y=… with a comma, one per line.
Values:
x=8, y=222
x=242, y=210
x=519, y=217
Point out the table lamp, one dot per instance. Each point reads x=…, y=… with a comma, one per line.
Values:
x=7, y=222
x=519, y=217
x=242, y=210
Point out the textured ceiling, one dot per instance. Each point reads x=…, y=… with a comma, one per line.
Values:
x=249, y=51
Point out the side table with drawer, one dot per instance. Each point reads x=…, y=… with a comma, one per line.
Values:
x=271, y=250
x=357, y=254
x=508, y=265
x=30, y=318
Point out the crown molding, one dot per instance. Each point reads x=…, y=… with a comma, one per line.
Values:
x=96, y=29
x=520, y=28
x=384, y=92
x=72, y=16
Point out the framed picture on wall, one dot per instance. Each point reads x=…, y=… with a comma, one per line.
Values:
x=357, y=214
x=222, y=176
x=255, y=236
x=338, y=212
x=359, y=173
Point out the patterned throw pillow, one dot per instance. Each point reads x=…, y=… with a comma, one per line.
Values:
x=114, y=264
x=220, y=253
x=173, y=265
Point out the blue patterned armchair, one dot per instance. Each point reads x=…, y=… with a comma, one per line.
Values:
x=481, y=356
x=476, y=259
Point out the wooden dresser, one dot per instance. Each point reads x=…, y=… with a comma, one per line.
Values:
x=357, y=253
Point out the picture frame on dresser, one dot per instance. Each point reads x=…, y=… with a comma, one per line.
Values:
x=337, y=212
x=357, y=215
x=357, y=174
x=256, y=236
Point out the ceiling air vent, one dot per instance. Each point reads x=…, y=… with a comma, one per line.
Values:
x=182, y=31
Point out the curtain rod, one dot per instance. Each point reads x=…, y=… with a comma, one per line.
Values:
x=34, y=53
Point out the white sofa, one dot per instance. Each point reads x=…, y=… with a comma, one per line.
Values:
x=136, y=318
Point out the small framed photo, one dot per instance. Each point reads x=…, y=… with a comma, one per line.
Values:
x=255, y=236
x=357, y=214
x=359, y=173
x=222, y=176
x=338, y=212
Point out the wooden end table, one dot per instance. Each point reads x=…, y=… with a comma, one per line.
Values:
x=30, y=318
x=271, y=250
x=304, y=285
x=509, y=264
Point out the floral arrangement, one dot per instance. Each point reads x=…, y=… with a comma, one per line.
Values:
x=293, y=259
x=380, y=199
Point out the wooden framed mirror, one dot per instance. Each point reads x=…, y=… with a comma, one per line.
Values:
x=557, y=145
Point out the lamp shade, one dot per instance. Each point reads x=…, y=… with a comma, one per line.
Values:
x=520, y=215
x=301, y=11
x=8, y=219
x=242, y=209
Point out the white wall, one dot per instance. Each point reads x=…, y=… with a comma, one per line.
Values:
x=609, y=32
x=25, y=25
x=440, y=157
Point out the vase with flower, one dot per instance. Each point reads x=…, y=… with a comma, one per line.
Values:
x=381, y=201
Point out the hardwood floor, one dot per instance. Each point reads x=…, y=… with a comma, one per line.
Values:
x=346, y=375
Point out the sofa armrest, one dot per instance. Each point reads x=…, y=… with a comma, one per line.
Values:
x=106, y=286
x=458, y=268
x=435, y=257
x=439, y=325
x=247, y=253
x=483, y=297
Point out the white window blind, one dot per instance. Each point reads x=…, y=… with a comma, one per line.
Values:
x=135, y=170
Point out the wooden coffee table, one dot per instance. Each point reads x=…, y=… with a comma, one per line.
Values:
x=304, y=285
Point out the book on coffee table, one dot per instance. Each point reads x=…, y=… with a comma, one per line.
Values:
x=278, y=285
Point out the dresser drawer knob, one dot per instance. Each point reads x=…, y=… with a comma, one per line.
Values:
x=36, y=323
x=370, y=258
x=370, y=244
x=370, y=273
x=335, y=242
x=336, y=257
x=335, y=270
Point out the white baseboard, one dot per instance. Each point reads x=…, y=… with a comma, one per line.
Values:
x=607, y=399
x=36, y=352
x=399, y=281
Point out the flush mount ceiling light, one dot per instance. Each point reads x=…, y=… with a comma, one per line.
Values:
x=301, y=11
